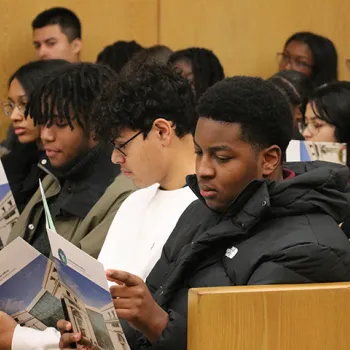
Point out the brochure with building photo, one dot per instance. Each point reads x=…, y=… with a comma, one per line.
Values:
x=304, y=151
x=30, y=289
x=8, y=209
x=86, y=299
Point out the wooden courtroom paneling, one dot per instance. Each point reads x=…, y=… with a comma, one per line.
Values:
x=103, y=22
x=246, y=35
x=299, y=317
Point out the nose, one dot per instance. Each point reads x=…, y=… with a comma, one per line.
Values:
x=307, y=134
x=117, y=157
x=204, y=168
x=42, y=52
x=47, y=134
x=16, y=115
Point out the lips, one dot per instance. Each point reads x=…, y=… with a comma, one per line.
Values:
x=19, y=131
x=206, y=191
x=51, y=152
x=126, y=172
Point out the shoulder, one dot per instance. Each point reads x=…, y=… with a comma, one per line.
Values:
x=120, y=187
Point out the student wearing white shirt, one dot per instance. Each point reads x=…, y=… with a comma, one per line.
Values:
x=150, y=117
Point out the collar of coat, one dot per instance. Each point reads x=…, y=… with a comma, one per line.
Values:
x=85, y=182
x=317, y=187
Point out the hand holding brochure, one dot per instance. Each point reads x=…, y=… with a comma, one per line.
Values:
x=86, y=301
x=37, y=292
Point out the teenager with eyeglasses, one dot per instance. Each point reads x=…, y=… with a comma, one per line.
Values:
x=149, y=116
x=24, y=143
x=311, y=54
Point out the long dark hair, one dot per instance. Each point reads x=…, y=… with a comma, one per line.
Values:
x=325, y=68
x=206, y=67
x=31, y=73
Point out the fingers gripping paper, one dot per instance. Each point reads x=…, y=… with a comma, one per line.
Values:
x=72, y=286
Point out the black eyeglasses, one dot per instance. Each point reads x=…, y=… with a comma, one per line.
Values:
x=119, y=148
x=294, y=61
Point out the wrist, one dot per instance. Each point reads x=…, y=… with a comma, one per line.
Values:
x=159, y=321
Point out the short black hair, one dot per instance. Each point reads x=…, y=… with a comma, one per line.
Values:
x=67, y=20
x=31, y=73
x=140, y=97
x=206, y=67
x=118, y=54
x=325, y=68
x=297, y=87
x=70, y=93
x=331, y=103
x=261, y=110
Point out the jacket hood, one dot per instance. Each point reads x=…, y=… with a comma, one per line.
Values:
x=317, y=187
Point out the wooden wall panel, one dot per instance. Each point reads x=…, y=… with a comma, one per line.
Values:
x=246, y=35
x=103, y=22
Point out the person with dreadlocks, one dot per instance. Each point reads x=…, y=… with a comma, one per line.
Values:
x=83, y=187
x=150, y=117
x=256, y=221
x=118, y=54
x=200, y=67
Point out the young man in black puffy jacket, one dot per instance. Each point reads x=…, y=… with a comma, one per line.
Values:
x=256, y=221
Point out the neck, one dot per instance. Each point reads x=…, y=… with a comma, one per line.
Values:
x=277, y=175
x=182, y=163
x=82, y=166
x=40, y=145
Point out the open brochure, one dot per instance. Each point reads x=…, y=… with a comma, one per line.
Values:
x=37, y=292
x=8, y=209
x=303, y=151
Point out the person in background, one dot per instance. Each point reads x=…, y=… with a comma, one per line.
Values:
x=297, y=88
x=200, y=67
x=327, y=114
x=81, y=185
x=21, y=163
x=158, y=154
x=118, y=54
x=327, y=119
x=256, y=222
x=57, y=35
x=311, y=54
x=160, y=53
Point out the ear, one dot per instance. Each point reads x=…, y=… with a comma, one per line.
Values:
x=164, y=130
x=77, y=46
x=272, y=158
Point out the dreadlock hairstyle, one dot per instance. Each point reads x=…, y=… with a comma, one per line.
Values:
x=206, y=67
x=118, y=54
x=69, y=93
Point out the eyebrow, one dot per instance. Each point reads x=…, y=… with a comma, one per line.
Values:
x=45, y=41
x=297, y=56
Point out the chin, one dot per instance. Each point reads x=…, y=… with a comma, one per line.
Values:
x=25, y=139
x=214, y=205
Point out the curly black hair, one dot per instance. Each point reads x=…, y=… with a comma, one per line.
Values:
x=261, y=110
x=206, y=67
x=149, y=92
x=118, y=54
x=69, y=93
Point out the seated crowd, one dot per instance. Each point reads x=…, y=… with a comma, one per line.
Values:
x=172, y=175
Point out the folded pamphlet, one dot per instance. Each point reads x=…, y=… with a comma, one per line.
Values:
x=304, y=151
x=37, y=292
